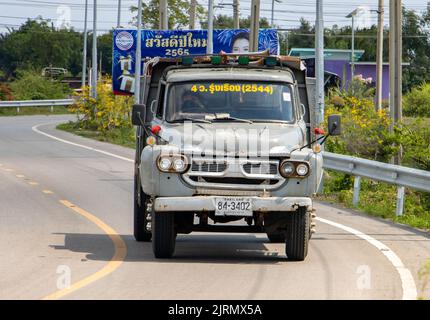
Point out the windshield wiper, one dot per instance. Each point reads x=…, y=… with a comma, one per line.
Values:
x=227, y=117
x=192, y=120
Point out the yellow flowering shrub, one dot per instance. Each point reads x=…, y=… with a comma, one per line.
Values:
x=365, y=131
x=106, y=112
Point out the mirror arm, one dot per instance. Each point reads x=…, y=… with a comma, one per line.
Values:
x=146, y=129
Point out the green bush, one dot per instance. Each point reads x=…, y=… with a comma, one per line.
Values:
x=417, y=101
x=30, y=85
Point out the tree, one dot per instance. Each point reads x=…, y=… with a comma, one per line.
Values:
x=36, y=45
x=223, y=21
x=178, y=12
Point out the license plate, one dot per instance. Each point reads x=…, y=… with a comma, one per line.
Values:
x=233, y=207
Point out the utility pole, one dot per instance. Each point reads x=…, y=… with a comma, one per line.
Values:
x=118, y=21
x=379, y=55
x=396, y=66
x=255, y=25
x=272, y=20
x=236, y=14
x=353, y=48
x=94, y=59
x=138, y=54
x=193, y=5
x=84, y=51
x=163, y=20
x=209, y=48
x=319, y=62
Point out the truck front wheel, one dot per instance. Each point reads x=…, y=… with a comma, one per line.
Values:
x=297, y=236
x=141, y=232
x=163, y=235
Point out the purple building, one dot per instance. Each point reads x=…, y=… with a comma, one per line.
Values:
x=337, y=65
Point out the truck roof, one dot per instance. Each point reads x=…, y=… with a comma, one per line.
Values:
x=229, y=73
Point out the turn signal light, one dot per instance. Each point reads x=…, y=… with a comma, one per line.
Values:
x=155, y=129
x=319, y=131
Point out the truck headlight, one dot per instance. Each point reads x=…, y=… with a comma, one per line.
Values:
x=294, y=169
x=164, y=164
x=179, y=165
x=287, y=169
x=172, y=163
x=302, y=169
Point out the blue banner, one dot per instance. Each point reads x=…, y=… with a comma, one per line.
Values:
x=176, y=43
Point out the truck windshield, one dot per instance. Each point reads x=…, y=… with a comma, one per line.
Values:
x=230, y=101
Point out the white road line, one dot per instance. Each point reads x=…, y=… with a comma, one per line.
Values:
x=35, y=129
x=408, y=283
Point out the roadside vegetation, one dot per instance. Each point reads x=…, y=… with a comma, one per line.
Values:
x=107, y=118
x=366, y=134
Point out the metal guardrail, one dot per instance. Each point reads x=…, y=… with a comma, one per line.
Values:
x=36, y=103
x=392, y=174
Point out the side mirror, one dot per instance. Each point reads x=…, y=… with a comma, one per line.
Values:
x=334, y=125
x=138, y=114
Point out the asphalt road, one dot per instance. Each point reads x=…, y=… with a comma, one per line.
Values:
x=66, y=209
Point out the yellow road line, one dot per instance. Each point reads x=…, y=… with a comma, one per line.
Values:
x=20, y=176
x=113, y=264
x=33, y=183
x=47, y=192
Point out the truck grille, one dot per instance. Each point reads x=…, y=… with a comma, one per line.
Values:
x=208, y=167
x=234, y=174
x=260, y=168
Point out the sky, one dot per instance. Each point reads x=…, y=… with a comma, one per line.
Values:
x=287, y=13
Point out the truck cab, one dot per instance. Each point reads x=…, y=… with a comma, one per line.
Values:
x=226, y=144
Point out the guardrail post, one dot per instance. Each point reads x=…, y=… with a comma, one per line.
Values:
x=400, y=201
x=17, y=109
x=52, y=108
x=356, y=195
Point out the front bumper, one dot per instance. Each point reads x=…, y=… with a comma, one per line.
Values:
x=207, y=203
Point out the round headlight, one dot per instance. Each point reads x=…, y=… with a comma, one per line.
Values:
x=302, y=169
x=179, y=165
x=164, y=164
x=287, y=169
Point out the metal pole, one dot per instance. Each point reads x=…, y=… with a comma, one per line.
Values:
x=84, y=51
x=94, y=59
x=138, y=61
x=118, y=21
x=209, y=48
x=356, y=194
x=400, y=201
x=193, y=5
x=255, y=25
x=164, y=20
x=273, y=14
x=396, y=66
x=353, y=48
x=380, y=55
x=319, y=63
x=236, y=14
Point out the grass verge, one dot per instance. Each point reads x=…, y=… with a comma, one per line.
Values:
x=378, y=199
x=27, y=111
x=120, y=136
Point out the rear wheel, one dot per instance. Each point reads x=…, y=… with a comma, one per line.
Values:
x=141, y=230
x=297, y=237
x=163, y=235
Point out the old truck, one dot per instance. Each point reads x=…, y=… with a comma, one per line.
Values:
x=227, y=143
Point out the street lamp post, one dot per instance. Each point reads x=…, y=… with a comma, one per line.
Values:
x=352, y=15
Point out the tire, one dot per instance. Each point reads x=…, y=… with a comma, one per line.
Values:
x=297, y=237
x=163, y=235
x=139, y=223
x=276, y=237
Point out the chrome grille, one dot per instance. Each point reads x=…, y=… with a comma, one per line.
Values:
x=208, y=167
x=261, y=168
